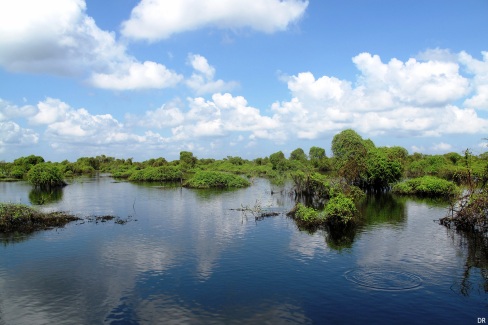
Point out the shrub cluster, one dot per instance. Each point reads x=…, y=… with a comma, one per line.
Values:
x=340, y=210
x=428, y=186
x=212, y=179
x=156, y=174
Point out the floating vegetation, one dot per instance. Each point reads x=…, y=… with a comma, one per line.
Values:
x=257, y=211
x=106, y=218
x=24, y=219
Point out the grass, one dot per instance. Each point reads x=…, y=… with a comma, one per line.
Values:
x=22, y=218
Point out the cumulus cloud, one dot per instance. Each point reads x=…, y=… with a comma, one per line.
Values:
x=168, y=115
x=53, y=36
x=480, y=81
x=57, y=37
x=411, y=98
x=12, y=134
x=137, y=75
x=9, y=111
x=202, y=80
x=159, y=19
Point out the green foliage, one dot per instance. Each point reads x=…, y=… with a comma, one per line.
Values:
x=213, y=179
x=156, y=174
x=340, y=210
x=318, y=159
x=307, y=216
x=278, y=161
x=187, y=160
x=350, y=152
x=381, y=170
x=298, y=155
x=46, y=176
x=428, y=186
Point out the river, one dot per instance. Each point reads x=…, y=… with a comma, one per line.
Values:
x=191, y=256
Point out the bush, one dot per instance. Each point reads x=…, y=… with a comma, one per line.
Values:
x=428, y=186
x=156, y=174
x=45, y=176
x=340, y=210
x=212, y=179
x=307, y=216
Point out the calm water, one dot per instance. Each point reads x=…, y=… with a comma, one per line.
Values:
x=187, y=256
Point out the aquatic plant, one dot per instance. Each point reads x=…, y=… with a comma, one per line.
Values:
x=22, y=218
x=428, y=186
x=338, y=212
x=156, y=174
x=213, y=179
x=45, y=176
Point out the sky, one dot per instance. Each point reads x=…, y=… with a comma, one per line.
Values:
x=150, y=78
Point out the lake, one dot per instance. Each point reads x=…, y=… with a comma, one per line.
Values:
x=191, y=256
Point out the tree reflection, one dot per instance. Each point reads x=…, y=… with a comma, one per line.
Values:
x=42, y=196
x=380, y=208
x=475, y=275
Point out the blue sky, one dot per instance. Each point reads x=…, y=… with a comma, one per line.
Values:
x=150, y=78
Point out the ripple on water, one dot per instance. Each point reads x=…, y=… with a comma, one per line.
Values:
x=384, y=279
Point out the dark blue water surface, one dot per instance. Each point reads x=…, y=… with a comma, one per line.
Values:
x=190, y=256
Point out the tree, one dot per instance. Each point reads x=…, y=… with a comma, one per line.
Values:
x=278, y=161
x=298, y=155
x=318, y=158
x=381, y=171
x=45, y=176
x=350, y=152
x=187, y=160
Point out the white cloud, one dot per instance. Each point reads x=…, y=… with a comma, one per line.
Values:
x=396, y=98
x=442, y=146
x=202, y=80
x=480, y=81
x=159, y=19
x=53, y=36
x=12, y=134
x=167, y=115
x=57, y=37
x=137, y=75
x=9, y=111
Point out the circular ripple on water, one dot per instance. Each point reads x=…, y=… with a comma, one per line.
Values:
x=384, y=279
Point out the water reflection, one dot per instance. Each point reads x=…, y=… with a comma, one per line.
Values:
x=43, y=196
x=383, y=208
x=192, y=258
x=474, y=280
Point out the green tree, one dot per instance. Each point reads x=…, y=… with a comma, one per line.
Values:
x=381, y=170
x=350, y=152
x=298, y=155
x=45, y=176
x=187, y=160
x=278, y=161
x=318, y=158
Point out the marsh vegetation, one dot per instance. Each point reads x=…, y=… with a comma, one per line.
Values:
x=326, y=188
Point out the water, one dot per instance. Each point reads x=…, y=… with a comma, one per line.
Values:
x=189, y=256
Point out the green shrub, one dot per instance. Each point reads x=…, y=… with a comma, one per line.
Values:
x=46, y=176
x=212, y=179
x=156, y=174
x=308, y=216
x=340, y=209
x=428, y=186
